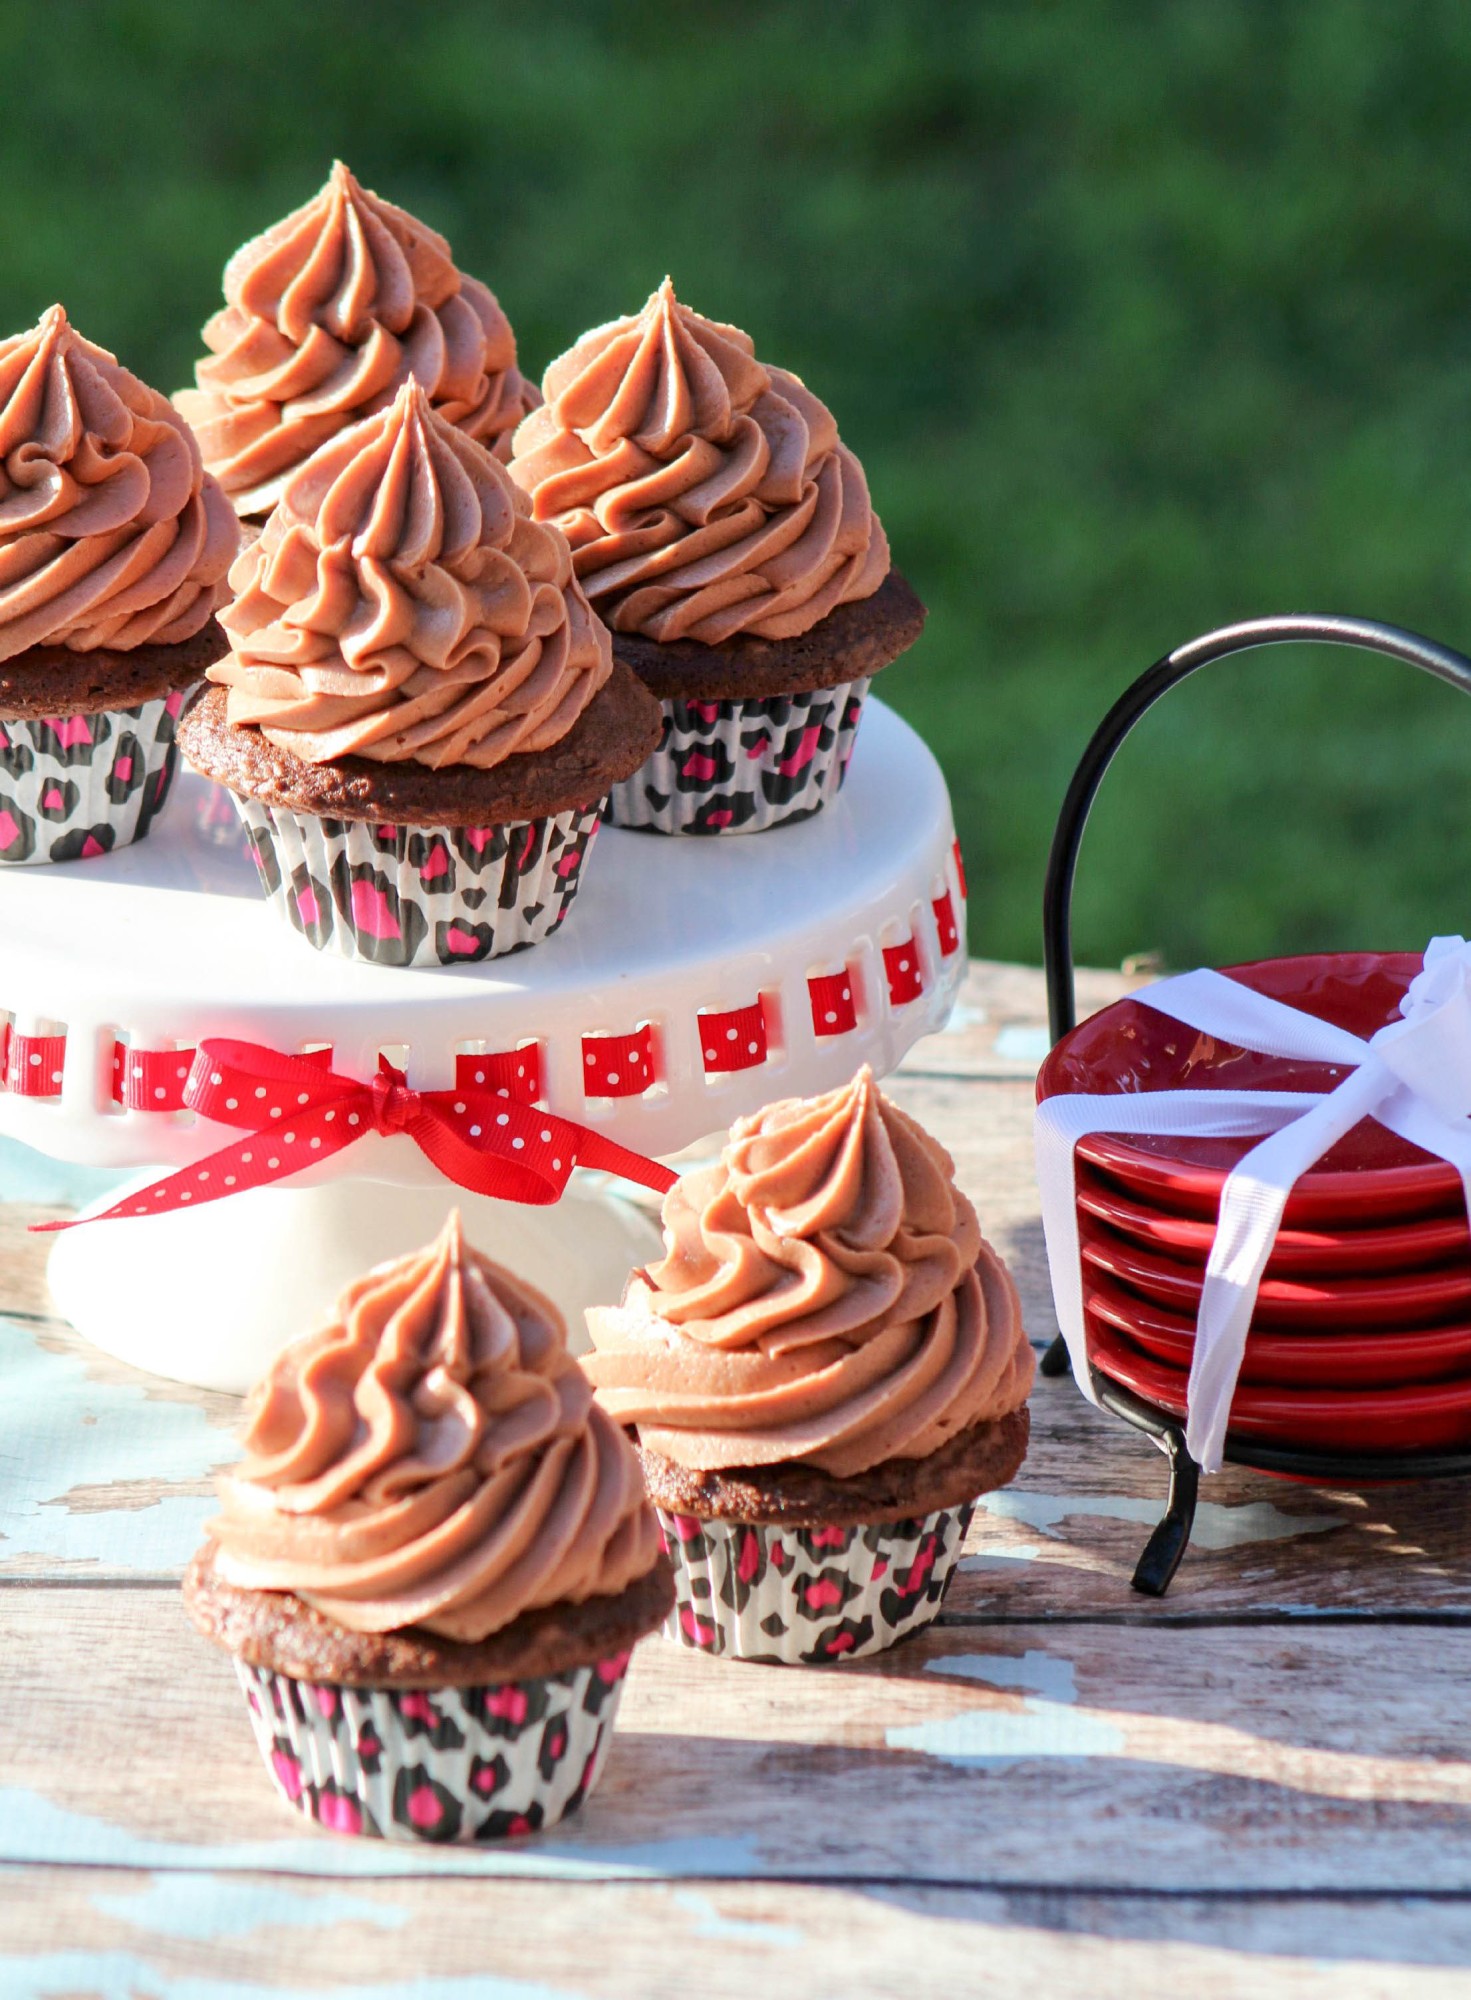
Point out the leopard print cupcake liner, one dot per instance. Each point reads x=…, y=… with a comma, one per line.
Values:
x=444, y=1765
x=76, y=786
x=804, y=1597
x=742, y=766
x=409, y=895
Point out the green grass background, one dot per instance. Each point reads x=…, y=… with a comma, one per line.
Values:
x=1142, y=318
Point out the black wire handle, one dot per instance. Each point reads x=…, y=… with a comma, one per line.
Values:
x=1294, y=629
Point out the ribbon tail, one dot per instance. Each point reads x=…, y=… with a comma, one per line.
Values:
x=525, y=1155
x=607, y=1156
x=1252, y=1202
x=1250, y=1216
x=487, y=1170
x=254, y=1161
x=1062, y=1121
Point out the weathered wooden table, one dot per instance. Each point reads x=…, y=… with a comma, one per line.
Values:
x=1260, y=1784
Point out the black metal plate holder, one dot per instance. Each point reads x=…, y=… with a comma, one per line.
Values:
x=1166, y=1546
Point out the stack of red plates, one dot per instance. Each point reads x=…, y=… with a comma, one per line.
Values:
x=1361, y=1339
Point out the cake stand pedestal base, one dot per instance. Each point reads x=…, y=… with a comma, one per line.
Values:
x=210, y=1296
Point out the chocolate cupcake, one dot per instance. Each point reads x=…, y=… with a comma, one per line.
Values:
x=725, y=533
x=419, y=716
x=114, y=543
x=434, y=1560
x=327, y=314
x=824, y=1373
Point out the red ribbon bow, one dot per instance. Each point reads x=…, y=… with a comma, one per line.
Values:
x=295, y=1112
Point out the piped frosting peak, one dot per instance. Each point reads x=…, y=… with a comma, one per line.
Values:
x=111, y=532
x=433, y=1457
x=704, y=494
x=401, y=605
x=826, y=1297
x=327, y=313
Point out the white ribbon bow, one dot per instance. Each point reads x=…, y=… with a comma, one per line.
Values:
x=1413, y=1076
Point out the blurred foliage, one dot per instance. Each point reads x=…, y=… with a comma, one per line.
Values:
x=1141, y=318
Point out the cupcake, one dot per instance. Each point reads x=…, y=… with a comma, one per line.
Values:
x=326, y=315
x=825, y=1371
x=419, y=715
x=114, y=543
x=433, y=1561
x=725, y=534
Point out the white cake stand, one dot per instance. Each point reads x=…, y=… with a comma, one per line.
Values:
x=798, y=953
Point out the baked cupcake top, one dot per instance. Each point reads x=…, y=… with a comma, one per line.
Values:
x=401, y=606
x=827, y=1298
x=111, y=532
x=705, y=495
x=326, y=314
x=432, y=1457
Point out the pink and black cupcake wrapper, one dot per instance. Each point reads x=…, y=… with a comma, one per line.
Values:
x=443, y=1765
x=742, y=766
x=409, y=895
x=74, y=786
x=804, y=1597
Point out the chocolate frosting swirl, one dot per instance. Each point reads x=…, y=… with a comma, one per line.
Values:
x=433, y=1457
x=327, y=314
x=401, y=605
x=827, y=1297
x=703, y=494
x=111, y=532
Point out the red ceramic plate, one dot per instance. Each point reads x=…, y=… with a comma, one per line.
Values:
x=1385, y=1360
x=1434, y=1416
x=1413, y=1298
x=1369, y=1176
x=1324, y=1252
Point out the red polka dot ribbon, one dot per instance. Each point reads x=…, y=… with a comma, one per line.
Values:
x=295, y=1111
x=735, y=1040
x=514, y=1073
x=834, y=1011
x=150, y=1079
x=618, y=1065
x=906, y=979
x=945, y=924
x=33, y=1064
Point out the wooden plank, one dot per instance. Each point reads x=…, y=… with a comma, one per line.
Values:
x=998, y=1028
x=108, y=1476
x=1272, y=1765
x=1077, y=1757
x=124, y=1496
x=23, y=1262
x=105, y=1472
x=1062, y=1541
x=127, y=1931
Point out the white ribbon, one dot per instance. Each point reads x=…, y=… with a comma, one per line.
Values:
x=1413, y=1076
